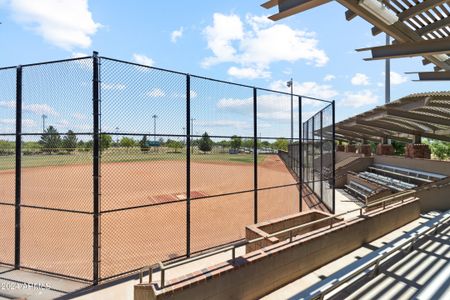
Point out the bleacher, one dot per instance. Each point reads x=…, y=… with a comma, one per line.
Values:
x=359, y=190
x=398, y=179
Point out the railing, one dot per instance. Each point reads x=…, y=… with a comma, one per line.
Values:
x=319, y=290
x=170, y=265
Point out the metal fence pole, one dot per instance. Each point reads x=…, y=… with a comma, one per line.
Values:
x=300, y=153
x=96, y=166
x=18, y=174
x=334, y=156
x=313, y=154
x=188, y=165
x=321, y=155
x=255, y=154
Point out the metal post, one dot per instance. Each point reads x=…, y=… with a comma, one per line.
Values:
x=387, y=84
x=255, y=155
x=18, y=165
x=300, y=152
x=313, y=153
x=334, y=156
x=321, y=155
x=188, y=165
x=96, y=165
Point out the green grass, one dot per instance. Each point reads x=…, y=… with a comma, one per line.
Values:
x=121, y=155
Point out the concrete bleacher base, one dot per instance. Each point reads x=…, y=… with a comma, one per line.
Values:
x=260, y=272
x=417, y=151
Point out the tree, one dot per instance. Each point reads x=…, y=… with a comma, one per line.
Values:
x=247, y=143
x=205, y=143
x=70, y=141
x=127, y=142
x=281, y=144
x=440, y=149
x=143, y=144
x=236, y=142
x=174, y=145
x=50, y=140
x=106, y=141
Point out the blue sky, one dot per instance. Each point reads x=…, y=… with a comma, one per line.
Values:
x=229, y=40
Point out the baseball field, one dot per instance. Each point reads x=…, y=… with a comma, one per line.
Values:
x=143, y=206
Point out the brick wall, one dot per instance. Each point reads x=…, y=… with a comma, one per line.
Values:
x=340, y=148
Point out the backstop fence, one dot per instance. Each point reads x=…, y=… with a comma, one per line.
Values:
x=107, y=165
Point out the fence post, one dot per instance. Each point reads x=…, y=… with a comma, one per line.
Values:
x=255, y=154
x=300, y=153
x=96, y=166
x=188, y=165
x=18, y=174
x=321, y=155
x=334, y=156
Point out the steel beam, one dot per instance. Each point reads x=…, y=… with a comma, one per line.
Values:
x=419, y=8
x=417, y=117
x=270, y=4
x=433, y=26
x=376, y=133
x=378, y=124
x=349, y=15
x=410, y=49
x=434, y=76
x=290, y=7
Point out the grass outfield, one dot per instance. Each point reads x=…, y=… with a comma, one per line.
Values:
x=121, y=155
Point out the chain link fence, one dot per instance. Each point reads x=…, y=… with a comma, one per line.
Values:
x=107, y=165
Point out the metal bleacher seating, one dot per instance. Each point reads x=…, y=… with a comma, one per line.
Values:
x=358, y=190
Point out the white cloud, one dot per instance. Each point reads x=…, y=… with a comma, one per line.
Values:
x=308, y=88
x=28, y=123
x=67, y=24
x=257, y=43
x=79, y=116
x=329, y=77
x=176, y=34
x=8, y=104
x=397, y=78
x=360, y=79
x=250, y=73
x=224, y=123
x=156, y=93
x=143, y=60
x=38, y=109
x=359, y=99
x=79, y=54
x=113, y=86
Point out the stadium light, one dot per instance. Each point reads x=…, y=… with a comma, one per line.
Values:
x=378, y=9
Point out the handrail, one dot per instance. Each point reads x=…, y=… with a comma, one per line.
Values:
x=163, y=267
x=323, y=288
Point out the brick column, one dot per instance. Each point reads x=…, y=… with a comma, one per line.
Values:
x=385, y=149
x=417, y=151
x=340, y=148
x=365, y=149
x=350, y=148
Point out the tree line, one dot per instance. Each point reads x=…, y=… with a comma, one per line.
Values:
x=52, y=141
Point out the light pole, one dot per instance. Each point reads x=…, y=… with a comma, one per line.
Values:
x=154, y=127
x=117, y=136
x=43, y=123
x=290, y=84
